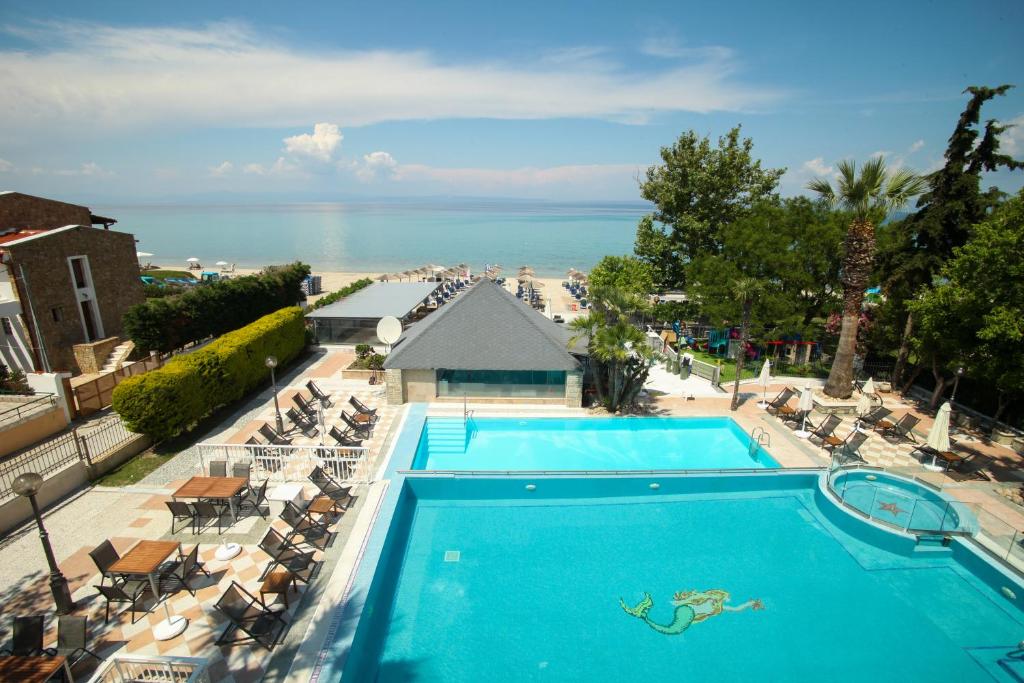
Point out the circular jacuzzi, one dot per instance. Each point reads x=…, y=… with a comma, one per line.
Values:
x=900, y=502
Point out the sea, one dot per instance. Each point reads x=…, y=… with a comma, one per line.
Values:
x=385, y=236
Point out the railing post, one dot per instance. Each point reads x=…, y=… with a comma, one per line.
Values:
x=82, y=446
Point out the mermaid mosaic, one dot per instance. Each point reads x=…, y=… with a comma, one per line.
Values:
x=692, y=607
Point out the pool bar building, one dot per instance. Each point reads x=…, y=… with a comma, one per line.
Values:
x=632, y=567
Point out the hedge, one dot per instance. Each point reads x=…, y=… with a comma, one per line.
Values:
x=341, y=293
x=208, y=310
x=172, y=399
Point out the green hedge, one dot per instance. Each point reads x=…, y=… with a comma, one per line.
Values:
x=341, y=293
x=209, y=310
x=172, y=399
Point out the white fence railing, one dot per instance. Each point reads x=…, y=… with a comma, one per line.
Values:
x=124, y=669
x=289, y=463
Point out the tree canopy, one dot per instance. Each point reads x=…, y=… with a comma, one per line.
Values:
x=626, y=273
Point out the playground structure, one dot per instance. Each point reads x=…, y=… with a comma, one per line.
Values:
x=725, y=343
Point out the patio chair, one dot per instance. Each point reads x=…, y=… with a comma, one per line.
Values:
x=364, y=431
x=241, y=469
x=826, y=428
x=303, y=405
x=255, y=498
x=129, y=591
x=901, y=429
x=272, y=436
x=849, y=446
x=73, y=639
x=206, y=510
x=218, y=468
x=182, y=571
x=286, y=556
x=104, y=556
x=325, y=399
x=302, y=524
x=338, y=493
x=343, y=439
x=247, y=614
x=876, y=415
x=361, y=407
x=780, y=401
x=971, y=468
x=301, y=422
x=181, y=510
x=27, y=637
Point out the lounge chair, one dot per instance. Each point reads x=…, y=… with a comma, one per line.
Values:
x=302, y=422
x=901, y=429
x=73, y=639
x=181, y=510
x=361, y=407
x=339, y=493
x=780, y=400
x=272, y=437
x=218, y=468
x=849, y=446
x=129, y=591
x=360, y=429
x=875, y=416
x=247, y=614
x=182, y=571
x=343, y=439
x=27, y=637
x=104, y=556
x=971, y=468
x=302, y=524
x=325, y=399
x=286, y=556
x=303, y=405
x=826, y=428
x=255, y=499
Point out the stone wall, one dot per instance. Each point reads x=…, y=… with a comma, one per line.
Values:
x=48, y=284
x=91, y=357
x=24, y=211
x=394, y=391
x=420, y=385
x=574, y=389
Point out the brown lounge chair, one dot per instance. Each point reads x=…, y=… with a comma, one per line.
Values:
x=901, y=429
x=779, y=402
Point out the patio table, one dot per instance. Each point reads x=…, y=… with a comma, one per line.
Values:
x=144, y=560
x=217, y=488
x=32, y=669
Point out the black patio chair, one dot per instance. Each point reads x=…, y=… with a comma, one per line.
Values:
x=971, y=468
x=780, y=400
x=302, y=422
x=206, y=510
x=849, y=447
x=129, y=591
x=247, y=614
x=362, y=430
x=303, y=405
x=325, y=399
x=104, y=556
x=876, y=415
x=302, y=524
x=287, y=556
x=182, y=571
x=899, y=430
x=27, y=637
x=73, y=639
x=343, y=438
x=181, y=510
x=255, y=499
x=272, y=436
x=218, y=468
x=826, y=428
x=339, y=494
x=361, y=407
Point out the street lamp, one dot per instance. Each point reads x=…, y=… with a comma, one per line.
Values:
x=28, y=485
x=956, y=382
x=271, y=362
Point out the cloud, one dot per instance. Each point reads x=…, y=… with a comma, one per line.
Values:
x=6, y=166
x=916, y=146
x=87, y=169
x=320, y=145
x=222, y=169
x=279, y=167
x=817, y=167
x=375, y=165
x=1012, y=140
x=670, y=48
x=519, y=179
x=228, y=74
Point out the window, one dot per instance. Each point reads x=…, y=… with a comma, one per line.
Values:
x=5, y=324
x=57, y=313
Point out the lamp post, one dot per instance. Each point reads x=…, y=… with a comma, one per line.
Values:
x=28, y=485
x=271, y=362
x=956, y=383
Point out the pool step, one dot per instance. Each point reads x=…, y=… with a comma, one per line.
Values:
x=447, y=436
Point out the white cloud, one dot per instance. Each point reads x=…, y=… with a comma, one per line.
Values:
x=375, y=165
x=817, y=167
x=89, y=168
x=6, y=166
x=279, y=167
x=222, y=169
x=670, y=48
x=1012, y=140
x=320, y=145
x=226, y=74
x=916, y=146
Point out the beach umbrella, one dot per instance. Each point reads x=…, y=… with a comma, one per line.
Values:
x=142, y=254
x=938, y=436
x=864, y=404
x=869, y=387
x=383, y=277
x=764, y=379
x=192, y=259
x=805, y=405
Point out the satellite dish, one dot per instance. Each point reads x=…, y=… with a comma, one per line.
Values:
x=389, y=329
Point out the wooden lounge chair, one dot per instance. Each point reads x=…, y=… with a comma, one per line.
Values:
x=303, y=405
x=875, y=416
x=826, y=428
x=286, y=556
x=849, y=446
x=970, y=468
x=302, y=422
x=901, y=429
x=325, y=399
x=268, y=433
x=780, y=401
x=361, y=407
x=247, y=614
x=343, y=438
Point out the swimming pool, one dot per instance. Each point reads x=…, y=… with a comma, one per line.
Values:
x=755, y=577
x=613, y=443
x=901, y=502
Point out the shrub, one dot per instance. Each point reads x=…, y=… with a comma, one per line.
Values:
x=363, y=350
x=341, y=293
x=211, y=309
x=14, y=381
x=172, y=399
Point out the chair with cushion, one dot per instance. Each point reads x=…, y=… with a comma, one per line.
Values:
x=130, y=591
x=302, y=524
x=826, y=428
x=901, y=430
x=218, y=468
x=104, y=556
x=848, y=447
x=247, y=614
x=286, y=556
x=875, y=416
x=181, y=510
x=780, y=401
x=73, y=639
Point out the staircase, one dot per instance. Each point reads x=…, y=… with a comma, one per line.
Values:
x=447, y=435
x=118, y=356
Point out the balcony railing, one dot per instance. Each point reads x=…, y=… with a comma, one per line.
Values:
x=289, y=463
x=124, y=669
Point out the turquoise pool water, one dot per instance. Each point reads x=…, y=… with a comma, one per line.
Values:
x=484, y=580
x=901, y=502
x=641, y=443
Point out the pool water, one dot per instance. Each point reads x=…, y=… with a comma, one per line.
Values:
x=618, y=443
x=484, y=580
x=901, y=502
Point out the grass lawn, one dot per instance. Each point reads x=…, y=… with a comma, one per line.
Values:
x=135, y=469
x=750, y=368
x=164, y=274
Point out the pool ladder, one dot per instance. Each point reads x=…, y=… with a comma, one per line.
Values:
x=759, y=438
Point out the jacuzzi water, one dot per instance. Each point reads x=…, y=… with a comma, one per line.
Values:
x=902, y=502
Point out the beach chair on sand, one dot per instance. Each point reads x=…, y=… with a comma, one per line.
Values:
x=780, y=401
x=901, y=429
x=247, y=614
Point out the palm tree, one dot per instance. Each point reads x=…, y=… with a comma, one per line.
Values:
x=745, y=290
x=869, y=196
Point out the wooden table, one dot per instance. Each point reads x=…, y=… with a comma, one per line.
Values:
x=218, y=488
x=277, y=583
x=323, y=505
x=32, y=669
x=144, y=559
x=362, y=418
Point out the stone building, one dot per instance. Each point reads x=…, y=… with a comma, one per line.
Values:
x=61, y=284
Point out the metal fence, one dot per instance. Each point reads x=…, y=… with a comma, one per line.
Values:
x=13, y=411
x=289, y=463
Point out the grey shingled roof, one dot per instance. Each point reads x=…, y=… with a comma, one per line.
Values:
x=378, y=300
x=485, y=328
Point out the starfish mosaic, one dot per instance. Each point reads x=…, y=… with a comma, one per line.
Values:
x=892, y=507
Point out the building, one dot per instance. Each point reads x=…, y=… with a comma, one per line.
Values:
x=486, y=344
x=353, y=320
x=63, y=282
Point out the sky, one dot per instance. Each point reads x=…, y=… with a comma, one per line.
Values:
x=129, y=102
